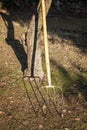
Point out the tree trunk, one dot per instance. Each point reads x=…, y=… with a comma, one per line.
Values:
x=34, y=41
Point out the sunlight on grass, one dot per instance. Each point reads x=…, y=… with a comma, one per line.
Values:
x=61, y=79
x=2, y=40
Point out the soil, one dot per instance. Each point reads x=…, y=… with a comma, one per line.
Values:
x=25, y=104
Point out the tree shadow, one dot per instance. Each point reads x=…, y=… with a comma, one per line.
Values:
x=81, y=82
x=14, y=43
x=69, y=27
x=74, y=86
x=82, y=86
x=63, y=76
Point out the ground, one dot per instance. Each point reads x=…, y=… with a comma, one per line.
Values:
x=24, y=105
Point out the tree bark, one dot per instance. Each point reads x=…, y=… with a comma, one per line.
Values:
x=34, y=41
x=48, y=5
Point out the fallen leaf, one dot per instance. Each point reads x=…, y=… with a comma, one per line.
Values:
x=69, y=111
x=44, y=109
x=40, y=126
x=77, y=119
x=62, y=115
x=1, y=112
x=66, y=129
x=64, y=111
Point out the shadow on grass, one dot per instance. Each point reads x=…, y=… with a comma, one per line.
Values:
x=60, y=75
x=82, y=86
x=73, y=83
x=68, y=27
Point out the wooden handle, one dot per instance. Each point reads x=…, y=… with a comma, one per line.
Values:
x=46, y=43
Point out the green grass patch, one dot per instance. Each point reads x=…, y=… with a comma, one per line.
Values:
x=66, y=79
